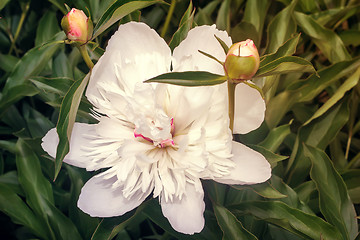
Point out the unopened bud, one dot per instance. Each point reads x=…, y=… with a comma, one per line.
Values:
x=77, y=26
x=242, y=61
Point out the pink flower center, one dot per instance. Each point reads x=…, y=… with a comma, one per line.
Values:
x=163, y=143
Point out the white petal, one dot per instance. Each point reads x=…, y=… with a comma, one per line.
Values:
x=249, y=109
x=251, y=167
x=79, y=139
x=187, y=57
x=99, y=199
x=134, y=54
x=186, y=215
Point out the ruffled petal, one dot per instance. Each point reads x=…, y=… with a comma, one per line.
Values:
x=79, y=138
x=186, y=215
x=249, y=109
x=251, y=167
x=134, y=53
x=99, y=199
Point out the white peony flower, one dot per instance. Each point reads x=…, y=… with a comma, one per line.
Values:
x=160, y=138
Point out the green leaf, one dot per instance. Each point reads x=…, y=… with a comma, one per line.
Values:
x=47, y=28
x=184, y=27
x=223, y=17
x=68, y=111
x=59, y=85
x=265, y=190
x=255, y=14
x=12, y=205
x=203, y=16
x=350, y=37
x=276, y=137
x=273, y=158
x=340, y=92
x=230, y=225
x=352, y=179
x=190, y=79
x=335, y=203
x=283, y=65
x=3, y=3
x=281, y=28
x=303, y=224
x=8, y=62
x=118, y=10
x=39, y=195
x=326, y=40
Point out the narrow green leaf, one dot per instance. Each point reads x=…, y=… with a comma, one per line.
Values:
x=8, y=62
x=118, y=10
x=184, y=27
x=303, y=224
x=230, y=225
x=223, y=17
x=223, y=44
x=12, y=205
x=276, y=137
x=68, y=111
x=265, y=190
x=203, y=16
x=352, y=179
x=327, y=41
x=59, y=85
x=340, y=92
x=281, y=28
x=190, y=79
x=255, y=14
x=3, y=3
x=335, y=203
x=283, y=65
x=350, y=37
x=273, y=158
x=47, y=28
x=39, y=194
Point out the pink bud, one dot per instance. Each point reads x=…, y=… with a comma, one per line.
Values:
x=77, y=26
x=242, y=60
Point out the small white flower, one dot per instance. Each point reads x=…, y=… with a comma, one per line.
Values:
x=159, y=138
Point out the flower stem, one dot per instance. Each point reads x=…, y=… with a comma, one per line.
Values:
x=168, y=18
x=231, y=95
x=85, y=55
x=21, y=22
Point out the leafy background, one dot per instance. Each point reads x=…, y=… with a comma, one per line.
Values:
x=311, y=134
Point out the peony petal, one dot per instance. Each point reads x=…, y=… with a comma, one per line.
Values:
x=99, y=199
x=134, y=54
x=251, y=167
x=186, y=215
x=249, y=109
x=79, y=139
x=187, y=56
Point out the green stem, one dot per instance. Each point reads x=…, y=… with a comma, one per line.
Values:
x=21, y=22
x=85, y=55
x=168, y=18
x=231, y=95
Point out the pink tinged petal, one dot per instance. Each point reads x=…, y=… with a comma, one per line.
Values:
x=134, y=53
x=251, y=167
x=80, y=139
x=99, y=199
x=186, y=215
x=249, y=109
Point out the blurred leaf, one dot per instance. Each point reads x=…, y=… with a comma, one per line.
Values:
x=13, y=206
x=245, y=30
x=190, y=79
x=352, y=179
x=283, y=65
x=230, y=225
x=276, y=137
x=340, y=92
x=203, y=16
x=118, y=10
x=281, y=28
x=335, y=203
x=3, y=3
x=8, y=62
x=223, y=17
x=59, y=85
x=61, y=66
x=39, y=194
x=350, y=37
x=184, y=27
x=272, y=158
x=303, y=224
x=47, y=28
x=265, y=190
x=255, y=13
x=68, y=111
x=326, y=40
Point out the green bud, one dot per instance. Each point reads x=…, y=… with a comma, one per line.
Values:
x=77, y=26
